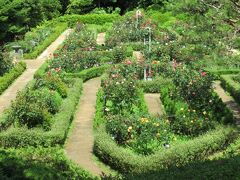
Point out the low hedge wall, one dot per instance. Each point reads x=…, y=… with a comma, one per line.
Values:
x=99, y=19
x=8, y=78
x=231, y=86
x=155, y=85
x=223, y=71
x=59, y=29
x=39, y=163
x=194, y=150
x=89, y=73
x=41, y=71
x=227, y=168
x=22, y=137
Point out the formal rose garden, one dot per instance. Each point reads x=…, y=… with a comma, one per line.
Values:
x=196, y=134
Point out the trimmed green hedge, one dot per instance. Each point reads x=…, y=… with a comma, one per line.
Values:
x=40, y=48
x=39, y=163
x=99, y=19
x=41, y=71
x=90, y=73
x=223, y=71
x=231, y=86
x=227, y=168
x=8, y=78
x=155, y=85
x=196, y=149
x=22, y=137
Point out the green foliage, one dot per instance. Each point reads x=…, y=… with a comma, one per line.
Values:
x=46, y=41
x=8, y=78
x=99, y=19
x=225, y=168
x=80, y=6
x=52, y=82
x=89, y=73
x=38, y=163
x=5, y=63
x=196, y=149
x=18, y=16
x=119, y=54
x=155, y=85
x=116, y=87
x=195, y=87
x=60, y=122
x=33, y=108
x=143, y=135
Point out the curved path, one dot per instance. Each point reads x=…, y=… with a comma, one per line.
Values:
x=32, y=66
x=229, y=101
x=80, y=143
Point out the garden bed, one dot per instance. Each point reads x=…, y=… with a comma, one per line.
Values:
x=56, y=132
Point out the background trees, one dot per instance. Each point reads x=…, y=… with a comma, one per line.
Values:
x=18, y=16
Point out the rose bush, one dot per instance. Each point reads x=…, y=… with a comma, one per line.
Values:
x=143, y=135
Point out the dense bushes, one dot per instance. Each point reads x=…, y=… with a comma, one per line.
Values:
x=21, y=137
x=89, y=73
x=20, y=15
x=193, y=121
x=88, y=19
x=8, y=78
x=57, y=31
x=34, y=108
x=226, y=168
x=127, y=162
x=155, y=85
x=38, y=39
x=142, y=134
x=38, y=163
x=6, y=63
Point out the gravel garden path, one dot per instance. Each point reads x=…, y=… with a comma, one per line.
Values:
x=154, y=104
x=32, y=66
x=229, y=101
x=101, y=38
x=80, y=143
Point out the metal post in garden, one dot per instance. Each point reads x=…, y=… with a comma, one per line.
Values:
x=138, y=15
x=148, y=42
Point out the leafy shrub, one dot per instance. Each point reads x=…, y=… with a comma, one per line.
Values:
x=155, y=85
x=117, y=87
x=99, y=19
x=58, y=30
x=52, y=81
x=38, y=39
x=195, y=87
x=5, y=63
x=33, y=108
x=144, y=135
x=60, y=122
x=37, y=163
x=119, y=54
x=224, y=168
x=196, y=149
x=8, y=78
x=89, y=73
